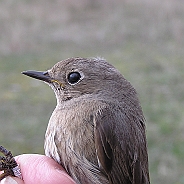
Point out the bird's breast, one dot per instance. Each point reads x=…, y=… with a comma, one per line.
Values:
x=70, y=134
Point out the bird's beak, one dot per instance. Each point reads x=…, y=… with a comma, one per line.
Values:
x=44, y=76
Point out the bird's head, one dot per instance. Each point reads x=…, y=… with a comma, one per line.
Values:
x=74, y=77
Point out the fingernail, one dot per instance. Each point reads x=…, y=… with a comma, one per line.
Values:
x=8, y=180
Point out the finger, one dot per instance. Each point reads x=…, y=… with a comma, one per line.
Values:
x=11, y=180
x=42, y=169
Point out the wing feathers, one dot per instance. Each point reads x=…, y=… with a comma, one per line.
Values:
x=117, y=141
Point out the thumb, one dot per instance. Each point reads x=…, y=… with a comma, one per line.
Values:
x=42, y=169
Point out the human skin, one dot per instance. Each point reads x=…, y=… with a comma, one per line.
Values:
x=39, y=169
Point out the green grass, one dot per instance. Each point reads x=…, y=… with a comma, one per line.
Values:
x=143, y=40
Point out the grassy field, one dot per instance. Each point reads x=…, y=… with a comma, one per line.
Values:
x=143, y=39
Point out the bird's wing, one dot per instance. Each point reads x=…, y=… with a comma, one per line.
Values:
x=102, y=143
x=117, y=150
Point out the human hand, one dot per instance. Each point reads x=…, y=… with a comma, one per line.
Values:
x=39, y=169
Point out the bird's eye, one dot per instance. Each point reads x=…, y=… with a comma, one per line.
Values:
x=74, y=77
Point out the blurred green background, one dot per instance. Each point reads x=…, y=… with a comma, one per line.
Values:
x=144, y=39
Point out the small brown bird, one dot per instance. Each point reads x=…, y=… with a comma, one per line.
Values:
x=97, y=130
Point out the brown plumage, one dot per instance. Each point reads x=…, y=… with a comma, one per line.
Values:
x=97, y=130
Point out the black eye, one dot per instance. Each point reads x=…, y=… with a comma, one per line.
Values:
x=74, y=77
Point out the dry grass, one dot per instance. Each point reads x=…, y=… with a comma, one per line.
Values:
x=143, y=39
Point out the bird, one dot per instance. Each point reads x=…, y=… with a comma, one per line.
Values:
x=97, y=130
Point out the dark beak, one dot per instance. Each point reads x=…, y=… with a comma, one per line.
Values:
x=44, y=76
